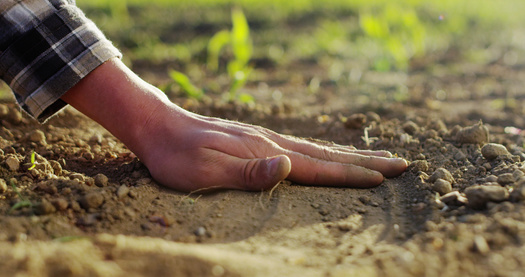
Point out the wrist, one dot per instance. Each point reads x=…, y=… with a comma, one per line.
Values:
x=120, y=101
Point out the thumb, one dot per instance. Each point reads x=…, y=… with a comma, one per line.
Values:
x=265, y=173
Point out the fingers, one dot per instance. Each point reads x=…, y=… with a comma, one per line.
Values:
x=325, y=151
x=225, y=171
x=364, y=172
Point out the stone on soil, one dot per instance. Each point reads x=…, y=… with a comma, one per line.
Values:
x=101, y=180
x=92, y=200
x=410, y=127
x=475, y=134
x=355, y=121
x=454, y=198
x=441, y=173
x=491, y=151
x=44, y=207
x=419, y=165
x=122, y=191
x=3, y=186
x=38, y=137
x=60, y=204
x=479, y=195
x=518, y=193
x=12, y=163
x=442, y=186
x=505, y=179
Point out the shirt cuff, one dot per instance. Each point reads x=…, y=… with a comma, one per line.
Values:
x=49, y=59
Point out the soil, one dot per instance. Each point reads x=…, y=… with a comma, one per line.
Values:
x=88, y=207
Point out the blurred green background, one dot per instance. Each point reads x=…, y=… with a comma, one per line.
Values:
x=344, y=38
x=386, y=33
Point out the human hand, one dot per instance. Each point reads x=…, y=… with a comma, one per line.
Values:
x=188, y=152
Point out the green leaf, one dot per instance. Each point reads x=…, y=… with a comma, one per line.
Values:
x=215, y=46
x=373, y=26
x=184, y=82
x=240, y=37
x=246, y=98
x=20, y=205
x=239, y=79
x=33, y=154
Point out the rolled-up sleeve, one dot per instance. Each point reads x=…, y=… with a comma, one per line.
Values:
x=46, y=47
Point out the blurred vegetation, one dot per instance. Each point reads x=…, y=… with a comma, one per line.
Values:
x=346, y=37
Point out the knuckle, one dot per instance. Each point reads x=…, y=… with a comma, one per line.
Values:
x=248, y=173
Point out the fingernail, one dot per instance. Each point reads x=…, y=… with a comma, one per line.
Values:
x=273, y=166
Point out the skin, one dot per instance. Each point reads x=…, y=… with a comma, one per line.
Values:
x=189, y=152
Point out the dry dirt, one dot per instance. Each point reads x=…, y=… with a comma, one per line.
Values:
x=89, y=208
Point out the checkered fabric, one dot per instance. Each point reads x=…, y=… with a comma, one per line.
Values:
x=46, y=47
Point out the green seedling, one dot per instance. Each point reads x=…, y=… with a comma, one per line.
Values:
x=21, y=204
x=33, y=160
x=186, y=85
x=398, y=31
x=238, y=38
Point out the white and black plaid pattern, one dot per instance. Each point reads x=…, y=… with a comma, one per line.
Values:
x=46, y=47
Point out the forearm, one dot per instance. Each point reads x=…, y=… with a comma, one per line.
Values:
x=116, y=98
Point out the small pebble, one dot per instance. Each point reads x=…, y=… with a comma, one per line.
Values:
x=92, y=200
x=60, y=204
x=122, y=191
x=38, y=136
x=442, y=186
x=4, y=110
x=475, y=134
x=441, y=173
x=518, y=193
x=57, y=168
x=420, y=156
x=201, y=231
x=438, y=125
x=372, y=116
x=143, y=182
x=15, y=116
x=460, y=156
x=517, y=174
x=44, y=207
x=419, y=165
x=491, y=179
x=101, y=180
x=454, y=198
x=3, y=185
x=505, y=179
x=355, y=121
x=481, y=245
x=365, y=199
x=96, y=138
x=479, y=195
x=491, y=151
x=76, y=176
x=12, y=163
x=410, y=127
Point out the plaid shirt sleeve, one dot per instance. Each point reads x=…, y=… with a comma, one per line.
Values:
x=46, y=47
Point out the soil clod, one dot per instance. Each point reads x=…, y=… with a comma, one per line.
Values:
x=475, y=134
x=479, y=195
x=491, y=151
x=92, y=200
x=442, y=186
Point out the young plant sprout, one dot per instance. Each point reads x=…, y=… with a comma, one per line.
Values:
x=368, y=140
x=21, y=204
x=33, y=160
